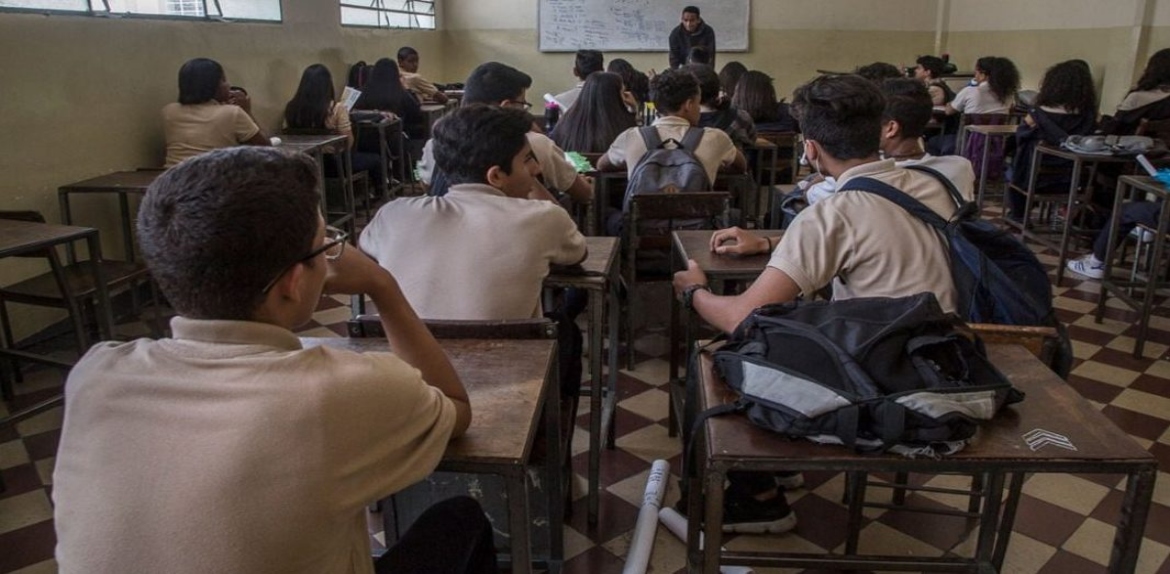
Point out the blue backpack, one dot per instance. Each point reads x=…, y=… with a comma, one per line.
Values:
x=665, y=169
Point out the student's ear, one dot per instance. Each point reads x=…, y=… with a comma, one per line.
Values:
x=812, y=151
x=891, y=129
x=495, y=177
x=288, y=287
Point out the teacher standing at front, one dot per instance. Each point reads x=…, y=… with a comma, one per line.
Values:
x=692, y=32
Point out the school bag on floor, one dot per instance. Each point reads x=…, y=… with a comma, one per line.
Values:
x=877, y=374
x=664, y=169
x=997, y=278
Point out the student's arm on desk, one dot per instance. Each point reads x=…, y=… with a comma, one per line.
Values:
x=356, y=273
x=738, y=164
x=604, y=164
x=727, y=312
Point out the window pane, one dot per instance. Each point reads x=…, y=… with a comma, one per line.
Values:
x=248, y=9
x=388, y=13
x=78, y=5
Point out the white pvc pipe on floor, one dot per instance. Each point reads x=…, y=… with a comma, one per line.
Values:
x=642, y=543
x=677, y=525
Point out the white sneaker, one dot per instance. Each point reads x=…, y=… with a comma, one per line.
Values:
x=1087, y=266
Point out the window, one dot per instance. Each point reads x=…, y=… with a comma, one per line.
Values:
x=196, y=9
x=389, y=13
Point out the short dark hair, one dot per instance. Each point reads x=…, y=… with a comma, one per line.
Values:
x=405, y=52
x=933, y=64
x=217, y=228
x=879, y=72
x=708, y=82
x=670, y=89
x=587, y=62
x=493, y=82
x=474, y=138
x=842, y=113
x=908, y=103
x=199, y=81
x=698, y=55
x=692, y=9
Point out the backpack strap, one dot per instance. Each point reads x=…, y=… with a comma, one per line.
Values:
x=899, y=198
x=650, y=137
x=691, y=139
x=944, y=180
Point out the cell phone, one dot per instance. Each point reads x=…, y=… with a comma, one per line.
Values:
x=1146, y=165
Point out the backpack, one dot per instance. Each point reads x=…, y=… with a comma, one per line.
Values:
x=997, y=278
x=667, y=170
x=876, y=374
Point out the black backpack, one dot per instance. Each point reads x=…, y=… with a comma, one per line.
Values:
x=667, y=170
x=876, y=374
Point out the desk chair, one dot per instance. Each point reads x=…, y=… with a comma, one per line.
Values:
x=346, y=182
x=787, y=157
x=11, y=420
x=385, y=137
x=962, y=144
x=646, y=241
x=1043, y=343
x=69, y=287
x=415, y=499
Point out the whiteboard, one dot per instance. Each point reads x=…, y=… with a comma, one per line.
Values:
x=635, y=25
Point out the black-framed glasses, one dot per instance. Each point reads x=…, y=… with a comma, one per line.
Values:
x=333, y=247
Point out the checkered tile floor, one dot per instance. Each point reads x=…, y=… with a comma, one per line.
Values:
x=1065, y=523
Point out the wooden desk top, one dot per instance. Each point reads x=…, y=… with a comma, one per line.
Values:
x=1146, y=183
x=1001, y=130
x=594, y=271
x=118, y=181
x=505, y=380
x=697, y=245
x=1083, y=157
x=431, y=107
x=309, y=143
x=18, y=237
x=1051, y=404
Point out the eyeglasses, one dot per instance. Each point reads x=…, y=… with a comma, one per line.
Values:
x=333, y=247
x=521, y=104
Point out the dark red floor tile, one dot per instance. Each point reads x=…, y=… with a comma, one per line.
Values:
x=42, y=445
x=1106, y=480
x=820, y=521
x=1093, y=390
x=1045, y=522
x=1157, y=523
x=940, y=531
x=1137, y=424
x=1068, y=563
x=19, y=480
x=1150, y=384
x=1123, y=315
x=27, y=546
x=615, y=517
x=1067, y=317
x=1155, y=335
x=1090, y=336
x=596, y=560
x=1123, y=359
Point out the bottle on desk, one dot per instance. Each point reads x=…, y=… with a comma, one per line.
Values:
x=552, y=114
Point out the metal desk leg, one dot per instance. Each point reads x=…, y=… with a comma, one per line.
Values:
x=554, y=465
x=67, y=219
x=1068, y=217
x=712, y=496
x=518, y=525
x=989, y=518
x=1135, y=509
x=596, y=319
x=983, y=170
x=609, y=418
x=1111, y=251
x=1015, y=486
x=105, y=317
x=855, y=493
x=1151, y=284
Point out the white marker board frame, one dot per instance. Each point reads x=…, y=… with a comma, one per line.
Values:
x=635, y=25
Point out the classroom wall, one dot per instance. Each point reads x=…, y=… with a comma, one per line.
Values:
x=80, y=96
x=789, y=39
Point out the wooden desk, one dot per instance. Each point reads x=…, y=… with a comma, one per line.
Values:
x=507, y=383
x=433, y=112
x=988, y=131
x=317, y=146
x=124, y=184
x=732, y=443
x=1078, y=160
x=22, y=237
x=1121, y=289
x=598, y=274
x=604, y=185
x=719, y=269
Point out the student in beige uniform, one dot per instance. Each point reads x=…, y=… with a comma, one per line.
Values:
x=209, y=114
x=411, y=80
x=860, y=244
x=229, y=447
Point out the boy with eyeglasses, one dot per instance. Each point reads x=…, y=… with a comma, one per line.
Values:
x=229, y=447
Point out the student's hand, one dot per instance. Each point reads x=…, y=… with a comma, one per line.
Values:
x=355, y=273
x=692, y=276
x=628, y=99
x=1031, y=121
x=242, y=99
x=736, y=241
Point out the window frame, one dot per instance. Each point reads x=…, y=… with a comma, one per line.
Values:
x=350, y=4
x=107, y=13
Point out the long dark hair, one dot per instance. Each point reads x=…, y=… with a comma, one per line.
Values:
x=597, y=118
x=383, y=89
x=1157, y=72
x=729, y=76
x=310, y=107
x=1069, y=85
x=636, y=82
x=1002, y=76
x=756, y=95
x=199, y=81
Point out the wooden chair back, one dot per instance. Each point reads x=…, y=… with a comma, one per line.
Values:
x=370, y=325
x=787, y=159
x=652, y=218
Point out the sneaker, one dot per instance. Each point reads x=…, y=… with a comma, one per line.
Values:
x=789, y=480
x=1087, y=266
x=746, y=515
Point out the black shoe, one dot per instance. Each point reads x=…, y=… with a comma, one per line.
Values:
x=746, y=515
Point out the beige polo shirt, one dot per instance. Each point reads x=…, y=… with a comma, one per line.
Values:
x=472, y=254
x=867, y=246
x=194, y=129
x=715, y=149
x=229, y=448
x=419, y=85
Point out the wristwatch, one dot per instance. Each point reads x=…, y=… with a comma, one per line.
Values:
x=688, y=295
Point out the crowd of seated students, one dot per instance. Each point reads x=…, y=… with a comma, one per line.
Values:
x=634, y=81
x=716, y=111
x=384, y=92
x=729, y=76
